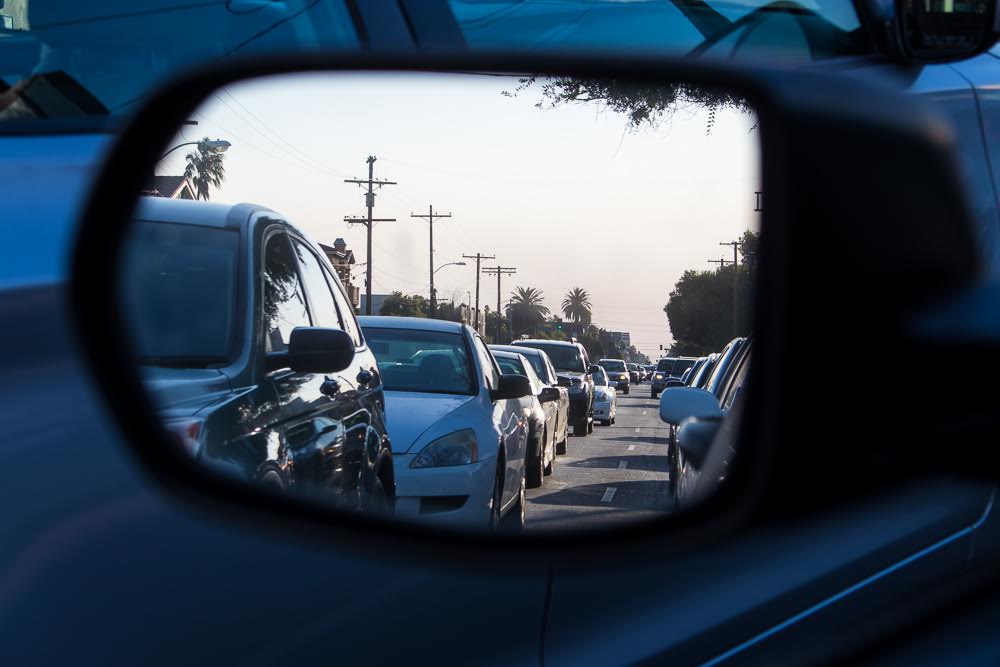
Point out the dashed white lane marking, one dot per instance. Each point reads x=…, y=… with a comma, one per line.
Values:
x=622, y=465
x=644, y=412
x=636, y=429
x=609, y=493
x=631, y=448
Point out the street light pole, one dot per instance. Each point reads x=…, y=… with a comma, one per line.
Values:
x=217, y=145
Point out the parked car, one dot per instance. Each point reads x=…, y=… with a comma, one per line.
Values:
x=605, y=397
x=540, y=361
x=690, y=373
x=572, y=363
x=699, y=377
x=221, y=352
x=666, y=369
x=618, y=373
x=715, y=382
x=459, y=437
x=541, y=409
x=635, y=373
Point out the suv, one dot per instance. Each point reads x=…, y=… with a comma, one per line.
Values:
x=618, y=373
x=228, y=306
x=572, y=365
x=669, y=368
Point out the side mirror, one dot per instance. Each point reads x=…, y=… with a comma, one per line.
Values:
x=315, y=350
x=511, y=386
x=674, y=382
x=679, y=403
x=694, y=437
x=565, y=382
x=937, y=30
x=548, y=394
x=593, y=368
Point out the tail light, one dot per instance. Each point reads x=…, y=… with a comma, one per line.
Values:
x=186, y=433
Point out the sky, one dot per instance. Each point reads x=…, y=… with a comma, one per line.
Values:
x=570, y=196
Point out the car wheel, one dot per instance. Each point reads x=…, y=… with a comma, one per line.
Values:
x=497, y=498
x=580, y=429
x=653, y=394
x=533, y=465
x=605, y=422
x=626, y=391
x=561, y=446
x=590, y=427
x=513, y=520
x=550, y=466
x=379, y=501
x=612, y=420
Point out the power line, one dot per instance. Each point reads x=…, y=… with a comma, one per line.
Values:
x=430, y=217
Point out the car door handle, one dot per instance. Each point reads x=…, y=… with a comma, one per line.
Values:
x=330, y=387
x=365, y=377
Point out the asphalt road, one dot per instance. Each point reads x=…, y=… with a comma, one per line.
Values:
x=617, y=474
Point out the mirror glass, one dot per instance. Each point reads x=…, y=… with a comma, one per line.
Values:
x=946, y=28
x=328, y=276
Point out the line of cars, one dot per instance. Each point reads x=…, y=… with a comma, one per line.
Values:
x=260, y=370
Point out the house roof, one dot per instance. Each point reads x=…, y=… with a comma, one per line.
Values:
x=346, y=255
x=167, y=186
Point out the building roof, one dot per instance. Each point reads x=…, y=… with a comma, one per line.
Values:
x=346, y=255
x=168, y=186
x=419, y=323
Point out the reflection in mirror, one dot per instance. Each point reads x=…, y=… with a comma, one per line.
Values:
x=414, y=241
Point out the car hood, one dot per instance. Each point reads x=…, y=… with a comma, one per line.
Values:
x=181, y=392
x=409, y=414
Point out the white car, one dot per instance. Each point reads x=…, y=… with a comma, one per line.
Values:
x=605, y=398
x=456, y=424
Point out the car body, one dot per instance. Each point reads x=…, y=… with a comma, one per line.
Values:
x=668, y=368
x=605, y=398
x=699, y=376
x=459, y=453
x=635, y=373
x=716, y=381
x=546, y=373
x=571, y=362
x=541, y=411
x=203, y=310
x=618, y=373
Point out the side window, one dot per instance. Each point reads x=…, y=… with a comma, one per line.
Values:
x=322, y=306
x=284, y=304
x=490, y=369
x=346, y=310
x=553, y=378
x=734, y=388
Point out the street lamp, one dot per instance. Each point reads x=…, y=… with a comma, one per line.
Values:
x=434, y=291
x=448, y=264
x=217, y=145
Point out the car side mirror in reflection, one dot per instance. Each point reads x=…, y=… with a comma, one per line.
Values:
x=511, y=386
x=314, y=350
x=680, y=403
x=593, y=368
x=694, y=437
x=548, y=394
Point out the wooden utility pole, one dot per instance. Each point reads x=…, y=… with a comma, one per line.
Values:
x=478, y=257
x=430, y=216
x=367, y=222
x=736, y=282
x=499, y=271
x=721, y=262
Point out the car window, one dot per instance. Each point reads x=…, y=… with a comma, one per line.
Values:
x=736, y=384
x=665, y=365
x=563, y=357
x=490, y=368
x=321, y=303
x=510, y=366
x=552, y=379
x=435, y=362
x=612, y=365
x=347, y=317
x=284, y=304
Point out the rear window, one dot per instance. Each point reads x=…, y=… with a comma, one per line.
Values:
x=612, y=365
x=665, y=365
x=422, y=361
x=563, y=357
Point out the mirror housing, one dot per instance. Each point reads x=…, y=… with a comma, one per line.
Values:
x=940, y=30
x=674, y=382
x=694, y=437
x=548, y=394
x=680, y=403
x=511, y=386
x=314, y=350
x=593, y=368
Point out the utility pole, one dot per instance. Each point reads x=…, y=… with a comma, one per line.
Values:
x=499, y=271
x=721, y=262
x=478, y=257
x=429, y=217
x=367, y=222
x=736, y=282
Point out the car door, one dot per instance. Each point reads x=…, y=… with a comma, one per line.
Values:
x=509, y=420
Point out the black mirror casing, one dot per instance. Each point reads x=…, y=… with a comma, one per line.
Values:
x=548, y=394
x=315, y=350
x=511, y=387
x=593, y=368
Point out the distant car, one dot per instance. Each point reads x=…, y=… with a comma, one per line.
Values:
x=546, y=372
x=700, y=376
x=221, y=352
x=691, y=372
x=635, y=373
x=716, y=381
x=541, y=409
x=459, y=436
x=669, y=368
x=605, y=398
x=618, y=373
x=572, y=363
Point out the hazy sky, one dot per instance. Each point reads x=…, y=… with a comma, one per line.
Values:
x=568, y=195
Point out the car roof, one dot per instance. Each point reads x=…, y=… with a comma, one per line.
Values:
x=543, y=341
x=519, y=349
x=418, y=323
x=504, y=354
x=200, y=213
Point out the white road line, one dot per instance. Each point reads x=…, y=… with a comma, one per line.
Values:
x=609, y=493
x=644, y=412
x=636, y=429
x=631, y=448
x=622, y=465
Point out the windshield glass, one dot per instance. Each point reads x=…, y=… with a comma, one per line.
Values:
x=563, y=357
x=538, y=364
x=681, y=365
x=600, y=379
x=180, y=293
x=510, y=366
x=99, y=58
x=612, y=365
x=802, y=29
x=665, y=365
x=422, y=361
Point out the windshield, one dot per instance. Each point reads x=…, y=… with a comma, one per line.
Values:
x=180, y=293
x=612, y=365
x=665, y=365
x=682, y=365
x=510, y=366
x=99, y=58
x=800, y=30
x=563, y=357
x=422, y=361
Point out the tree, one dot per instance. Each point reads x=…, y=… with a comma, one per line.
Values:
x=576, y=305
x=402, y=305
x=527, y=310
x=700, y=310
x=204, y=168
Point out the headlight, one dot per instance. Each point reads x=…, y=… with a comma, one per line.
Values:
x=623, y=376
x=455, y=449
x=658, y=376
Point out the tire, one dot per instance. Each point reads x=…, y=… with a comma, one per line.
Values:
x=533, y=466
x=552, y=464
x=626, y=391
x=613, y=419
x=653, y=394
x=590, y=427
x=379, y=501
x=561, y=446
x=513, y=521
x=606, y=422
x=580, y=429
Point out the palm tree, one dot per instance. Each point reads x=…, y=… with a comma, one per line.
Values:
x=576, y=305
x=204, y=169
x=527, y=309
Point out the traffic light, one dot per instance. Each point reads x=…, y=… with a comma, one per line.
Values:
x=558, y=326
